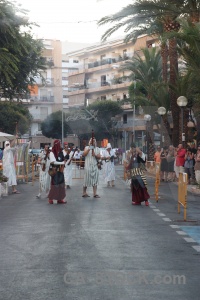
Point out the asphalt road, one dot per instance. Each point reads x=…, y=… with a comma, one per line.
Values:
x=92, y=249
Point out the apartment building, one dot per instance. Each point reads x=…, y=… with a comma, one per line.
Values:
x=48, y=95
x=99, y=78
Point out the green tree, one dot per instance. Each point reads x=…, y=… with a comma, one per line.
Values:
x=52, y=126
x=20, y=54
x=157, y=17
x=14, y=117
x=107, y=110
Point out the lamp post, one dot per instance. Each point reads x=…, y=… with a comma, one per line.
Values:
x=161, y=111
x=147, y=118
x=182, y=102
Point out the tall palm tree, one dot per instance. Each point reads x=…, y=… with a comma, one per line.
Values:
x=151, y=92
x=144, y=16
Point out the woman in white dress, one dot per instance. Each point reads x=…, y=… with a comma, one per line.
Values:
x=68, y=155
x=9, y=167
x=109, y=166
x=44, y=178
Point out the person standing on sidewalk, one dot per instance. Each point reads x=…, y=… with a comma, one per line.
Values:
x=189, y=165
x=197, y=165
x=44, y=178
x=180, y=160
x=170, y=164
x=163, y=164
x=135, y=166
x=91, y=175
x=157, y=155
x=9, y=166
x=109, y=166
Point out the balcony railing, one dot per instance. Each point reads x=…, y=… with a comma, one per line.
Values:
x=96, y=85
x=108, y=61
x=42, y=99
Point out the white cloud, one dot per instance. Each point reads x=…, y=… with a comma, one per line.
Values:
x=71, y=20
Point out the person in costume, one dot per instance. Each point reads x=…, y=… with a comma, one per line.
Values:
x=44, y=178
x=68, y=155
x=135, y=166
x=9, y=167
x=57, y=190
x=109, y=166
x=91, y=174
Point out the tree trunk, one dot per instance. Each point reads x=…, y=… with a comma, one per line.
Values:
x=173, y=58
x=164, y=55
x=166, y=132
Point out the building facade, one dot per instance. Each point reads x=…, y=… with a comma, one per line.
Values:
x=99, y=78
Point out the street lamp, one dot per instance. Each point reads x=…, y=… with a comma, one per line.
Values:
x=147, y=118
x=182, y=102
x=161, y=111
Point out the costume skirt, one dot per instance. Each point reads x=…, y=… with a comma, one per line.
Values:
x=57, y=191
x=139, y=190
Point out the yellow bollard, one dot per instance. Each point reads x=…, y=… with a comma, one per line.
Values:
x=157, y=180
x=182, y=192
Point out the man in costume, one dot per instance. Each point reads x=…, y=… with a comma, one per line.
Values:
x=44, y=178
x=9, y=167
x=91, y=175
x=135, y=166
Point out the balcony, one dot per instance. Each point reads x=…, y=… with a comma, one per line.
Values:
x=92, y=87
x=37, y=117
x=107, y=61
x=42, y=99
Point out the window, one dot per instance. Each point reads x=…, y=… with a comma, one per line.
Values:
x=65, y=96
x=103, y=80
x=103, y=97
x=125, y=52
x=75, y=61
x=125, y=119
x=65, y=61
x=103, y=56
x=64, y=78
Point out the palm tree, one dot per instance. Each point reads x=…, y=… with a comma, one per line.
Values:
x=150, y=91
x=156, y=16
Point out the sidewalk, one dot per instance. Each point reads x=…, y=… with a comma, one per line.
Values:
x=193, y=189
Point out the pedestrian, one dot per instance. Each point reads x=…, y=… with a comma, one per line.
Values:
x=77, y=156
x=57, y=190
x=9, y=166
x=91, y=171
x=179, y=160
x=157, y=155
x=163, y=164
x=109, y=167
x=135, y=167
x=68, y=155
x=44, y=177
x=170, y=164
x=197, y=165
x=189, y=165
x=1, y=154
